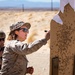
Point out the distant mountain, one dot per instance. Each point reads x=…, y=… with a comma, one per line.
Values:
x=26, y=4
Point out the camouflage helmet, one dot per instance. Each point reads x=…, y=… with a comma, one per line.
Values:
x=18, y=25
x=2, y=34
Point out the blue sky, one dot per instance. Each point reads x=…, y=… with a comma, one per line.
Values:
x=34, y=0
x=43, y=0
x=29, y=3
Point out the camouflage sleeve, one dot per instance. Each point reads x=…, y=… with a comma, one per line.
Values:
x=36, y=45
x=24, y=49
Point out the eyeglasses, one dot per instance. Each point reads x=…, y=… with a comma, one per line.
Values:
x=2, y=39
x=24, y=29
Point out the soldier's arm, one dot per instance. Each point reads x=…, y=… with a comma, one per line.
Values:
x=24, y=49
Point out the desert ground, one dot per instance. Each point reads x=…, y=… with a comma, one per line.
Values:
x=40, y=21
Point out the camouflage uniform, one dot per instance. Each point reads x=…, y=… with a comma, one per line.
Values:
x=14, y=61
x=14, y=56
x=1, y=51
x=2, y=36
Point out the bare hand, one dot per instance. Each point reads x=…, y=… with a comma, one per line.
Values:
x=30, y=70
x=47, y=36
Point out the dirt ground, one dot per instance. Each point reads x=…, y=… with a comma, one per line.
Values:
x=40, y=21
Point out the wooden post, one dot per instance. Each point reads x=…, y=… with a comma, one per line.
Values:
x=51, y=5
x=23, y=7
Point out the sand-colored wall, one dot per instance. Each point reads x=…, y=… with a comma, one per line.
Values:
x=62, y=43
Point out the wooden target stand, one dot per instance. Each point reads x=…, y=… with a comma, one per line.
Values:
x=62, y=43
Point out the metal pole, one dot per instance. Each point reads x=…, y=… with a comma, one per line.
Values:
x=51, y=5
x=23, y=7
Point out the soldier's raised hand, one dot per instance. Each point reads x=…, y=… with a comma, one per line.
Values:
x=47, y=36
